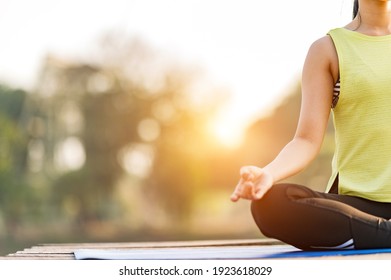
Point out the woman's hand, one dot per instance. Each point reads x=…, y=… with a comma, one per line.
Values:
x=253, y=184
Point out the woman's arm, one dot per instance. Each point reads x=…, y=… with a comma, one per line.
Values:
x=320, y=72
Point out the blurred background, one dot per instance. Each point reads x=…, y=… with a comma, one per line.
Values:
x=128, y=120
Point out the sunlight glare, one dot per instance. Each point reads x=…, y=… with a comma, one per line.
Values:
x=227, y=132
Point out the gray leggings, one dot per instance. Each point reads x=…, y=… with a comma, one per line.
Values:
x=312, y=220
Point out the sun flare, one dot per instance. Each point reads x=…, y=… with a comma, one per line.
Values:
x=227, y=132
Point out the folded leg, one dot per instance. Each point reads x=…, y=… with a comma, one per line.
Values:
x=312, y=220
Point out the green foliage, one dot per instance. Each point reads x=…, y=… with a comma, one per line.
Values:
x=16, y=196
x=11, y=102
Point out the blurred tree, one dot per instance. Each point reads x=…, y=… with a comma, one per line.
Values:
x=129, y=111
x=12, y=138
x=16, y=196
x=90, y=117
x=180, y=168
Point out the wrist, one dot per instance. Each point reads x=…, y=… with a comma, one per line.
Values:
x=269, y=173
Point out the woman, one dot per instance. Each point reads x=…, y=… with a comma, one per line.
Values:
x=348, y=70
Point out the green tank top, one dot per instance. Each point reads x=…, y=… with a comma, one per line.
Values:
x=362, y=117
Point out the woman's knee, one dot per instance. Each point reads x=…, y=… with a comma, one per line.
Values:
x=266, y=210
x=271, y=199
x=270, y=213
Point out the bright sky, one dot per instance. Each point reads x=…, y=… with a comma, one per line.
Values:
x=254, y=48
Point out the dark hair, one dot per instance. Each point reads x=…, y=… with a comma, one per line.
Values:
x=355, y=8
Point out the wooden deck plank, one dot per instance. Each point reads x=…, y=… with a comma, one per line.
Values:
x=39, y=257
x=65, y=251
x=166, y=244
x=70, y=247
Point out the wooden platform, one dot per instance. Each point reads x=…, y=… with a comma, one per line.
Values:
x=66, y=251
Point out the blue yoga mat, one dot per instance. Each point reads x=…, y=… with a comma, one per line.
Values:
x=348, y=252
x=234, y=252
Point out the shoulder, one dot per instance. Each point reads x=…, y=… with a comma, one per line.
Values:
x=323, y=53
x=323, y=46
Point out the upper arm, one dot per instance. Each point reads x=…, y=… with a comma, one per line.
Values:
x=320, y=73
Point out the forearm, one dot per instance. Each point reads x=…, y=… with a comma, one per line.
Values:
x=292, y=159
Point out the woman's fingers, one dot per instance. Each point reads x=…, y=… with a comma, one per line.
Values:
x=262, y=186
x=235, y=196
x=248, y=173
x=253, y=184
x=244, y=189
x=240, y=190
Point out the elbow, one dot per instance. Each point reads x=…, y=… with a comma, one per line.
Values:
x=310, y=147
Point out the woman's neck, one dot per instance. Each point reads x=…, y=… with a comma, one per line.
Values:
x=374, y=17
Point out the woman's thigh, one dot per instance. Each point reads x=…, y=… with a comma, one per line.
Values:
x=379, y=209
